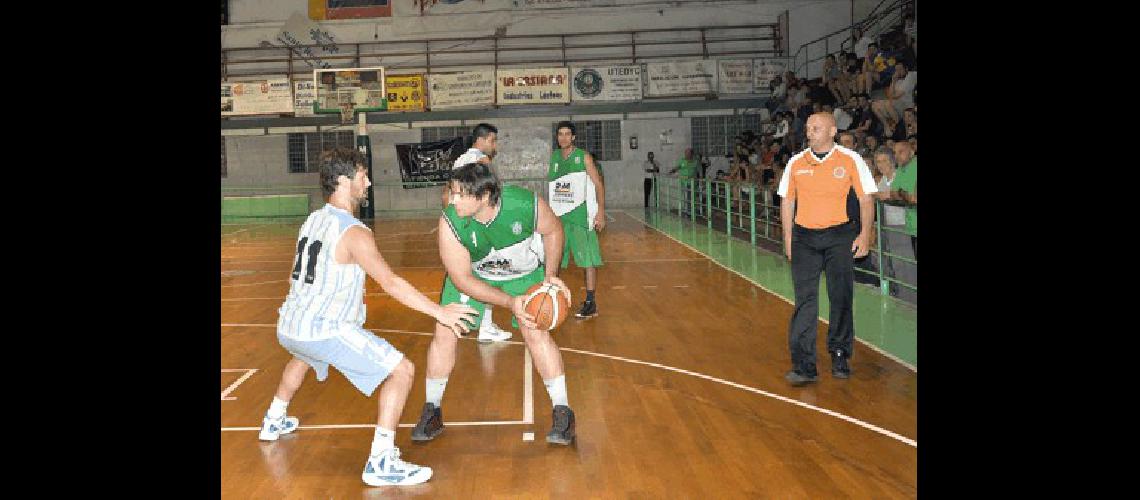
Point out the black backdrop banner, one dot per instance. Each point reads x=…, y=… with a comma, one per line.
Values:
x=428, y=161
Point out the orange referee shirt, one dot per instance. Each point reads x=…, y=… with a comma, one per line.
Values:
x=820, y=187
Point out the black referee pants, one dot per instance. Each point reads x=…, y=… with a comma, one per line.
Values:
x=814, y=251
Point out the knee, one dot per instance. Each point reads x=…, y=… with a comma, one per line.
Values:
x=406, y=369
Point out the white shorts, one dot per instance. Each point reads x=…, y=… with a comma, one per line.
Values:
x=364, y=359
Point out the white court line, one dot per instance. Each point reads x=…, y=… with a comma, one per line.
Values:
x=373, y=426
x=754, y=390
x=825, y=411
x=618, y=287
x=873, y=347
x=528, y=388
x=248, y=373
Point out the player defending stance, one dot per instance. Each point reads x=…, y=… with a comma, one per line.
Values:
x=578, y=197
x=321, y=321
x=482, y=150
x=486, y=242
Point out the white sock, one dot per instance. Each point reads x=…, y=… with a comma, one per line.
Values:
x=486, y=322
x=277, y=408
x=435, y=387
x=556, y=387
x=382, y=440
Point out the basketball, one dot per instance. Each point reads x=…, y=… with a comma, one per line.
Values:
x=548, y=304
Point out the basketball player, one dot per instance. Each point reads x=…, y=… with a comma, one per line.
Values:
x=578, y=197
x=486, y=242
x=321, y=321
x=482, y=150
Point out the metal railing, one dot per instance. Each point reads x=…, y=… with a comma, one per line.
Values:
x=758, y=216
x=881, y=19
x=755, y=40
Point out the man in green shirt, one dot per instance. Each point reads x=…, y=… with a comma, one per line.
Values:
x=687, y=168
x=578, y=196
x=489, y=238
x=905, y=189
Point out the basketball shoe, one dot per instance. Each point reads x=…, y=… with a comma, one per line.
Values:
x=490, y=332
x=562, y=429
x=387, y=469
x=430, y=424
x=589, y=310
x=272, y=428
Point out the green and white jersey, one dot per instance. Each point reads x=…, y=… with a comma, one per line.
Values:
x=507, y=247
x=571, y=192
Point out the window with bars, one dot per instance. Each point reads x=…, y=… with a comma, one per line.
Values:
x=432, y=134
x=223, y=157
x=715, y=135
x=305, y=149
x=600, y=138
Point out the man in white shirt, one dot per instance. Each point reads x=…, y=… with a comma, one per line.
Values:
x=899, y=96
x=652, y=168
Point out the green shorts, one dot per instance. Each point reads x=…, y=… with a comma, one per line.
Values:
x=514, y=288
x=583, y=243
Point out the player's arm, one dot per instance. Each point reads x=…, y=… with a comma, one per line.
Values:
x=550, y=227
x=457, y=262
x=362, y=250
x=599, y=191
x=864, y=185
x=787, y=192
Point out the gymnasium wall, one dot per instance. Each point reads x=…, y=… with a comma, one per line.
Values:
x=259, y=161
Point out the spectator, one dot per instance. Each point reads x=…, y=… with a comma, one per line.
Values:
x=874, y=63
x=779, y=95
x=894, y=237
x=847, y=140
x=688, y=171
x=910, y=120
x=865, y=122
x=782, y=125
x=870, y=145
x=741, y=182
x=854, y=66
x=861, y=40
x=817, y=91
x=835, y=78
x=652, y=168
x=905, y=189
x=898, y=97
x=843, y=114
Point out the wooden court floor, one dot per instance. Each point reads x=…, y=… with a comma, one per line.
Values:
x=677, y=387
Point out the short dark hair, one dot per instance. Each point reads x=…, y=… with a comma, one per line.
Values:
x=482, y=130
x=477, y=179
x=566, y=124
x=335, y=163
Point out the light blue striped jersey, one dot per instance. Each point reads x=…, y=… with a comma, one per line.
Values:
x=323, y=295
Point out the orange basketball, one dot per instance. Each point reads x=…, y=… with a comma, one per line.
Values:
x=548, y=304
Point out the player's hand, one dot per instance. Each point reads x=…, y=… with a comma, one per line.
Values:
x=861, y=245
x=600, y=221
x=788, y=247
x=518, y=308
x=453, y=316
x=556, y=281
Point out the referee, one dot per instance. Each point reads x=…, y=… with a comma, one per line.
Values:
x=814, y=188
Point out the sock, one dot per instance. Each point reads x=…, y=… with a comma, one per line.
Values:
x=382, y=440
x=589, y=295
x=435, y=387
x=486, y=322
x=277, y=408
x=556, y=387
